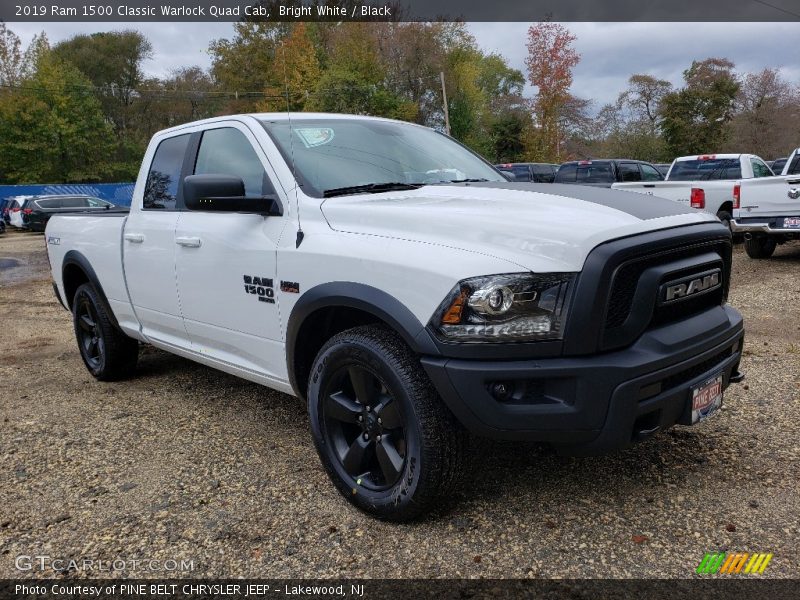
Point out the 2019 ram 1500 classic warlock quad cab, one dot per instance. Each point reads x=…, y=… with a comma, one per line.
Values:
x=407, y=292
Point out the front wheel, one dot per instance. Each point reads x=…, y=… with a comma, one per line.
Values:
x=760, y=247
x=385, y=438
x=107, y=353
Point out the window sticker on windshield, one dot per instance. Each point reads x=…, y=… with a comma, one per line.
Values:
x=314, y=136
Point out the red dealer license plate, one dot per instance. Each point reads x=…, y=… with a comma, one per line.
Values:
x=791, y=222
x=706, y=399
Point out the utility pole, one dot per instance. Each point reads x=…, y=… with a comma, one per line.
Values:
x=444, y=99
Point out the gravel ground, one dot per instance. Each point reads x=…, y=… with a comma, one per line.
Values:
x=184, y=462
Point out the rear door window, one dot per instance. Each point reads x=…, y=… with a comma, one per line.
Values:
x=49, y=204
x=650, y=173
x=594, y=172
x=629, y=172
x=73, y=203
x=163, y=179
x=760, y=169
x=521, y=172
x=544, y=173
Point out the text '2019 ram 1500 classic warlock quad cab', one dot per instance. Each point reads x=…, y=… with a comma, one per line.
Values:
x=399, y=285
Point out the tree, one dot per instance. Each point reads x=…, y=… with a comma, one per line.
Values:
x=355, y=78
x=297, y=72
x=11, y=59
x=112, y=61
x=695, y=119
x=55, y=131
x=550, y=61
x=244, y=65
x=644, y=96
x=767, y=120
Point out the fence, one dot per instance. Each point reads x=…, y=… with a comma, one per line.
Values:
x=116, y=193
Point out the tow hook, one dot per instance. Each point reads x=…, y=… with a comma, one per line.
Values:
x=737, y=377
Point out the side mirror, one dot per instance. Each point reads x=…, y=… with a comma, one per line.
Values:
x=225, y=193
x=508, y=175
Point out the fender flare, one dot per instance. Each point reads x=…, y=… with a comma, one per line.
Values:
x=73, y=257
x=363, y=297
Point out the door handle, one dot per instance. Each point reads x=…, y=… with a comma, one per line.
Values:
x=134, y=238
x=188, y=242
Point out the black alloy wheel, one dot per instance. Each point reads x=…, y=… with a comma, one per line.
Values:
x=90, y=339
x=365, y=427
x=108, y=353
x=387, y=441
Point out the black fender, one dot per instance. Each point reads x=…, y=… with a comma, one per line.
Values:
x=363, y=297
x=73, y=257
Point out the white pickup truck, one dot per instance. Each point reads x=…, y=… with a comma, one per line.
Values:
x=706, y=182
x=767, y=213
x=407, y=292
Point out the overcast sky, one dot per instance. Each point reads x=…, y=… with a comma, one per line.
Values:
x=610, y=52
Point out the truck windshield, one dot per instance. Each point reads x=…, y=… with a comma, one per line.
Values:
x=706, y=169
x=334, y=154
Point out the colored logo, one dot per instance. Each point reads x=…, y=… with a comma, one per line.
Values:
x=733, y=563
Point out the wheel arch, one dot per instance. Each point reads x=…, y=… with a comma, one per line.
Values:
x=330, y=308
x=75, y=271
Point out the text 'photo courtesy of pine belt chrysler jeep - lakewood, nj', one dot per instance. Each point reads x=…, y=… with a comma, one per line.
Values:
x=411, y=296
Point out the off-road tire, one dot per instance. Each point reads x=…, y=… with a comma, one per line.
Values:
x=434, y=444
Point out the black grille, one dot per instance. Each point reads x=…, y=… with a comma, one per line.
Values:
x=627, y=276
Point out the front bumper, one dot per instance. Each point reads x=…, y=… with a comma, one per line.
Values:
x=598, y=403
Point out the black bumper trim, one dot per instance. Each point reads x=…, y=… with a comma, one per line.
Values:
x=594, y=404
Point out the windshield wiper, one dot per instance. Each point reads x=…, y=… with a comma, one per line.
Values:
x=371, y=188
x=479, y=180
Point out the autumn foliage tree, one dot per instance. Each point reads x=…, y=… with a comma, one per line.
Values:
x=550, y=61
x=297, y=72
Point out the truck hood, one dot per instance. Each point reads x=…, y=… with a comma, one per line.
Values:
x=539, y=227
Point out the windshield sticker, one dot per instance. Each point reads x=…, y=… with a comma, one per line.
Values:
x=315, y=136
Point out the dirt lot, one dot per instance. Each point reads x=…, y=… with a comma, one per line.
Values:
x=184, y=462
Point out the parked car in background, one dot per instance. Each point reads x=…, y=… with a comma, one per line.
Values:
x=2, y=226
x=792, y=164
x=776, y=165
x=15, y=211
x=536, y=172
x=604, y=172
x=663, y=168
x=38, y=209
x=767, y=213
x=5, y=217
x=710, y=167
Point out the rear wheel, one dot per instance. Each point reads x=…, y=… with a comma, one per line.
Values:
x=385, y=438
x=760, y=247
x=107, y=353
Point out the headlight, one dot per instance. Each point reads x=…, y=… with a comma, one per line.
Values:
x=518, y=307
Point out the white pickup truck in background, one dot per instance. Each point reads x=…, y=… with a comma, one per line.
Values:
x=707, y=182
x=767, y=212
x=718, y=167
